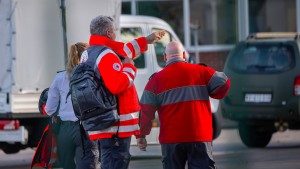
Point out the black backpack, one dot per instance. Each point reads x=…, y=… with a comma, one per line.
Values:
x=93, y=104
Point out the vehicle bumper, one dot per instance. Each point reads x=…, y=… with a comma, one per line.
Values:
x=19, y=135
x=289, y=112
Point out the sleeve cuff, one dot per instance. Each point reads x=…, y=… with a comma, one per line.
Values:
x=140, y=136
x=142, y=43
x=129, y=65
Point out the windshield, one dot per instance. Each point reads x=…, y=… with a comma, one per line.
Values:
x=263, y=57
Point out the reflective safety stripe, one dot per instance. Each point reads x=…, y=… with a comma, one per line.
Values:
x=136, y=47
x=123, y=118
x=54, y=149
x=106, y=51
x=109, y=135
x=129, y=70
x=217, y=80
x=53, y=156
x=149, y=98
x=129, y=116
x=181, y=94
x=113, y=129
x=52, y=160
x=128, y=51
x=84, y=56
x=129, y=78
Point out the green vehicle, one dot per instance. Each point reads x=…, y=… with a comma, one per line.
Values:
x=265, y=86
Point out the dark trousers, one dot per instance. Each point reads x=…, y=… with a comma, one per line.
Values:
x=115, y=156
x=70, y=150
x=197, y=155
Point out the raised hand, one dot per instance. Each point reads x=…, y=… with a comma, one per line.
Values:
x=155, y=36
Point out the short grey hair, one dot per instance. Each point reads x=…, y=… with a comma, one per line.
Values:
x=101, y=24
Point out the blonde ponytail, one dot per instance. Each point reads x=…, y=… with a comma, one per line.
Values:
x=74, y=55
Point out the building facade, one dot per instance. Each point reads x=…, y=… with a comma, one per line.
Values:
x=209, y=29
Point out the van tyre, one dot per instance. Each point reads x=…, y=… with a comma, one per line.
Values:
x=217, y=127
x=10, y=148
x=254, y=136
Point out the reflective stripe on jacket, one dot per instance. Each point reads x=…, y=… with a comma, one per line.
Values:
x=128, y=127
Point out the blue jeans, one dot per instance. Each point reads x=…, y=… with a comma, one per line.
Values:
x=115, y=156
x=197, y=155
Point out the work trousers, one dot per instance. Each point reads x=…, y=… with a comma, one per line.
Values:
x=197, y=155
x=70, y=150
x=115, y=153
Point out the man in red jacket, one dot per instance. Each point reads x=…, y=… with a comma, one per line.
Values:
x=180, y=94
x=117, y=70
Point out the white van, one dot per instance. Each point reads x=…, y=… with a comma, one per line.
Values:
x=153, y=60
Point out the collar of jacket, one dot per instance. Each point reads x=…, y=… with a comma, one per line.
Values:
x=174, y=60
x=104, y=41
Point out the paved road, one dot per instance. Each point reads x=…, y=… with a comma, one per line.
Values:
x=283, y=152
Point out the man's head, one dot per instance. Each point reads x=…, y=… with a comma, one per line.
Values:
x=174, y=50
x=103, y=26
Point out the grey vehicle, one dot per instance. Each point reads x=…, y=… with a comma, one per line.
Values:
x=265, y=86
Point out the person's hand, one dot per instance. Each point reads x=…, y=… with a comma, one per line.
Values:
x=127, y=60
x=156, y=36
x=141, y=143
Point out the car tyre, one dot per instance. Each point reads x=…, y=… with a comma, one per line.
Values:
x=254, y=136
x=217, y=127
x=10, y=148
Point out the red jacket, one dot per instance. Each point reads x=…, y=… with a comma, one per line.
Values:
x=180, y=94
x=118, y=78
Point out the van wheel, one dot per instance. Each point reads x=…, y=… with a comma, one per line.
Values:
x=217, y=127
x=254, y=136
x=10, y=148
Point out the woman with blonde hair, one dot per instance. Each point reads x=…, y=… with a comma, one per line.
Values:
x=69, y=145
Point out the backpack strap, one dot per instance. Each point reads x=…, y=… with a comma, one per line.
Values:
x=83, y=136
x=93, y=53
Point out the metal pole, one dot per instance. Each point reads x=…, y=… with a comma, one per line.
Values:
x=214, y=21
x=195, y=28
x=64, y=26
x=298, y=15
x=243, y=19
x=186, y=21
x=133, y=7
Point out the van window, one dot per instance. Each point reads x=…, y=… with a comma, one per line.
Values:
x=127, y=35
x=263, y=58
x=160, y=47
